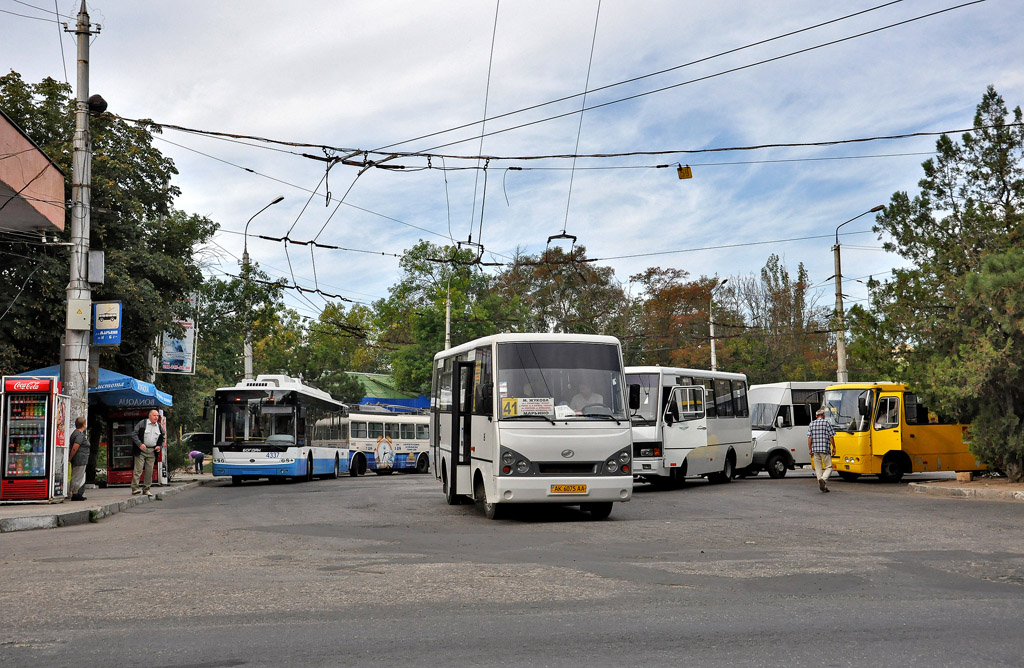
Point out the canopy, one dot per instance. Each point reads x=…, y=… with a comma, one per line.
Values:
x=118, y=390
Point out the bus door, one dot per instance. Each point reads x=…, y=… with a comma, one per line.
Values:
x=684, y=424
x=461, y=432
x=885, y=428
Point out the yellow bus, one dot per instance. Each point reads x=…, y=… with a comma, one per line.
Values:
x=882, y=429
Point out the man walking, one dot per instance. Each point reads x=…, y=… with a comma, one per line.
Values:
x=79, y=459
x=148, y=438
x=821, y=442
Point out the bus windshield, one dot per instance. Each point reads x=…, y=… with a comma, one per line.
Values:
x=848, y=410
x=649, y=388
x=560, y=380
x=256, y=422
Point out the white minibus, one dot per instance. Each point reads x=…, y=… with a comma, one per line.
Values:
x=779, y=416
x=532, y=418
x=690, y=423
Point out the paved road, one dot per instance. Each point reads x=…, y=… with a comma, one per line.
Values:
x=379, y=571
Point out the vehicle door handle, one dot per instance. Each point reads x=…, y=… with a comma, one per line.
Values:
x=703, y=428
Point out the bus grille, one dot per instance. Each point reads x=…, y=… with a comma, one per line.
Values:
x=559, y=468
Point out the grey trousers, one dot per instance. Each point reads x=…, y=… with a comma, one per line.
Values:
x=143, y=467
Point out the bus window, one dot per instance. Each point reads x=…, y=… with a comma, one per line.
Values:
x=888, y=415
x=723, y=397
x=408, y=431
x=483, y=382
x=344, y=431
x=801, y=415
x=376, y=429
x=739, y=398
x=709, y=394
x=358, y=430
x=422, y=432
x=391, y=430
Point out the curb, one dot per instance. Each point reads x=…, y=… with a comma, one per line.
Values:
x=94, y=514
x=966, y=493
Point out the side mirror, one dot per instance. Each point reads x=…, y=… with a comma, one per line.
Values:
x=780, y=421
x=668, y=418
x=862, y=405
x=634, y=397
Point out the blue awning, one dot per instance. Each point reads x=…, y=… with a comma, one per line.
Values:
x=118, y=390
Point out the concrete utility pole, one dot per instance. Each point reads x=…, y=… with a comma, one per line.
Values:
x=711, y=319
x=247, y=346
x=841, y=374
x=75, y=373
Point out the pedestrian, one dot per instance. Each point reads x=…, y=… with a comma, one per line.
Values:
x=79, y=459
x=147, y=439
x=197, y=460
x=821, y=443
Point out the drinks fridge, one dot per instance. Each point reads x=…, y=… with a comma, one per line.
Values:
x=120, y=460
x=35, y=426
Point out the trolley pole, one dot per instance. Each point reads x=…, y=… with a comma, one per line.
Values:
x=75, y=373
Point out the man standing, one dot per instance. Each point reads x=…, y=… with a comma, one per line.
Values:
x=148, y=438
x=79, y=459
x=821, y=442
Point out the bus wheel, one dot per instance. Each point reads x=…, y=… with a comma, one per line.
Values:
x=450, y=499
x=892, y=469
x=337, y=468
x=776, y=466
x=598, y=511
x=726, y=474
x=309, y=468
x=492, y=511
x=848, y=476
x=236, y=480
x=422, y=463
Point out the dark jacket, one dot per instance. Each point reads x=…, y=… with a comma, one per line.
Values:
x=139, y=433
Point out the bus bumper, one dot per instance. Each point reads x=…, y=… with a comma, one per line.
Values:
x=261, y=470
x=543, y=490
x=650, y=466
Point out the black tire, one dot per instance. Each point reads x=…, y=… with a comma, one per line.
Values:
x=450, y=499
x=892, y=469
x=727, y=472
x=848, y=476
x=337, y=468
x=422, y=463
x=309, y=469
x=776, y=466
x=598, y=511
x=492, y=511
x=236, y=480
x=358, y=465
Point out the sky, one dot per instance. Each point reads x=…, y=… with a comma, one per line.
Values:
x=367, y=74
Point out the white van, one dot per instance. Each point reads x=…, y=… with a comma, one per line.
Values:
x=779, y=416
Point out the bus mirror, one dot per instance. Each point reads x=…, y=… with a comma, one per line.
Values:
x=634, y=397
x=862, y=405
x=780, y=421
x=668, y=418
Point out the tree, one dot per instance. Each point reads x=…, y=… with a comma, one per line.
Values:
x=952, y=323
x=670, y=320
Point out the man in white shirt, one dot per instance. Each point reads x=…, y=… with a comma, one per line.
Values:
x=585, y=397
x=148, y=438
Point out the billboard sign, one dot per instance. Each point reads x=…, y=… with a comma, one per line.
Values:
x=106, y=324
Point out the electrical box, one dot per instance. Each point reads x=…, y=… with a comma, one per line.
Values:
x=79, y=314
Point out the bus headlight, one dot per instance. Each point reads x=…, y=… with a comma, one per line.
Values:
x=623, y=457
x=507, y=458
x=522, y=466
x=611, y=466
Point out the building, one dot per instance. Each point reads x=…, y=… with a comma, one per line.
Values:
x=31, y=184
x=380, y=390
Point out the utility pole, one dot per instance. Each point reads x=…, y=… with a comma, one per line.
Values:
x=75, y=373
x=842, y=376
x=448, y=316
x=247, y=345
x=711, y=319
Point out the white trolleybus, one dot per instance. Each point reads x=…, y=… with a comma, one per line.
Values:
x=276, y=427
x=384, y=442
x=690, y=423
x=532, y=418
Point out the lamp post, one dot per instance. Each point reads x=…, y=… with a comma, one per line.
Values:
x=245, y=288
x=711, y=320
x=841, y=374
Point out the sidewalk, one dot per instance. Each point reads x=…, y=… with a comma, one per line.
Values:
x=999, y=489
x=99, y=503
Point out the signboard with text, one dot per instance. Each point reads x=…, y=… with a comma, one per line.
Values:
x=106, y=324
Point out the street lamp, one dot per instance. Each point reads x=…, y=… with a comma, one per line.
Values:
x=841, y=374
x=711, y=320
x=245, y=288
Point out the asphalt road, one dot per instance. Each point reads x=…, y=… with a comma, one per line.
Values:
x=379, y=571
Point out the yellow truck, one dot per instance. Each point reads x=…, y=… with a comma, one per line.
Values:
x=882, y=429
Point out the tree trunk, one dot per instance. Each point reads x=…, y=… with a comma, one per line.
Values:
x=1014, y=468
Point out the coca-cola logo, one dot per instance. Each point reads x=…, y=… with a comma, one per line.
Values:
x=27, y=385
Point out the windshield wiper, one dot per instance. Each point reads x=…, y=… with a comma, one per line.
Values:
x=528, y=417
x=602, y=415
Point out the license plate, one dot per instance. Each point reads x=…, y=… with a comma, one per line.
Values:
x=568, y=489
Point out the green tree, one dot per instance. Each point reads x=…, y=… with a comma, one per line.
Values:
x=951, y=324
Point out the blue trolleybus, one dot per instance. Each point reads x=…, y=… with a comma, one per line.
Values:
x=272, y=427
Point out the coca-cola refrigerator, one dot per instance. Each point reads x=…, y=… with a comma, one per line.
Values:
x=36, y=426
x=120, y=457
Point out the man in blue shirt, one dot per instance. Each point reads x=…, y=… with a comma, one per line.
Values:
x=821, y=442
